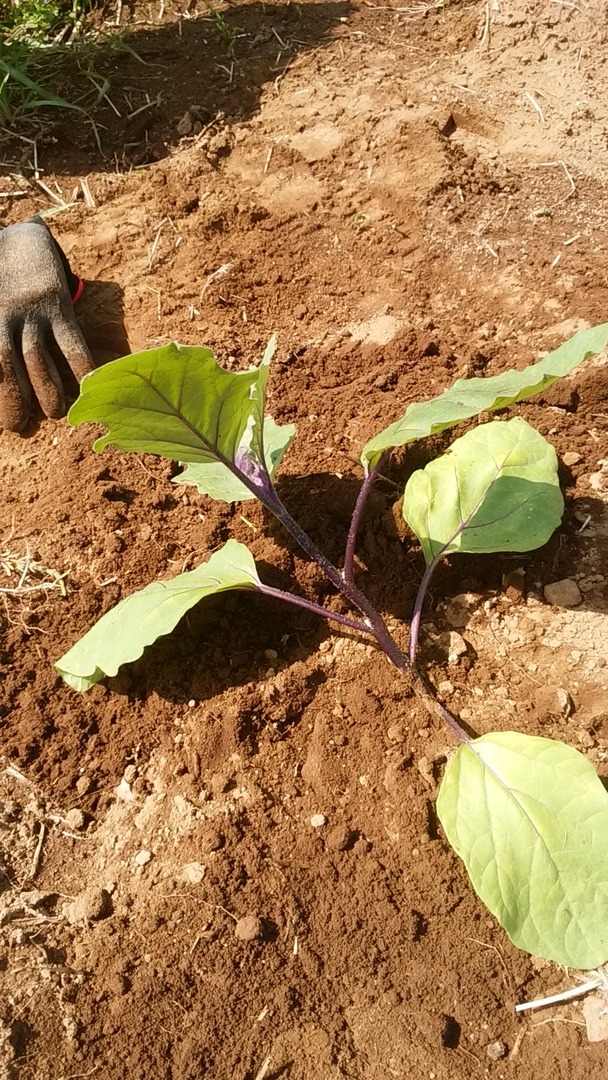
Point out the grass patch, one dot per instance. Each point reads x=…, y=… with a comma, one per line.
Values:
x=47, y=58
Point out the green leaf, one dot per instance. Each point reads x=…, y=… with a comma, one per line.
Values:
x=468, y=397
x=496, y=489
x=218, y=482
x=122, y=634
x=529, y=817
x=177, y=402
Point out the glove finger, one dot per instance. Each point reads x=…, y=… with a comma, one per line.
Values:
x=72, y=345
x=43, y=373
x=15, y=389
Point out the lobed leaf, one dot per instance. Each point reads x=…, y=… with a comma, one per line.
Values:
x=122, y=634
x=496, y=489
x=529, y=818
x=468, y=397
x=218, y=482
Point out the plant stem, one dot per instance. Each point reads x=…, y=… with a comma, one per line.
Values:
x=362, y=497
x=315, y=609
x=420, y=597
x=376, y=625
x=436, y=708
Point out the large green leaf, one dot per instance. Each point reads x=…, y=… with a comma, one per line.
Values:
x=176, y=401
x=496, y=489
x=468, y=397
x=218, y=482
x=122, y=634
x=529, y=817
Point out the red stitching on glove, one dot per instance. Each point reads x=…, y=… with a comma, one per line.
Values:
x=79, y=292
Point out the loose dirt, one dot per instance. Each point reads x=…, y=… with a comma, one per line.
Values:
x=225, y=862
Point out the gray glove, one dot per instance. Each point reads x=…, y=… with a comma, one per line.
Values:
x=38, y=329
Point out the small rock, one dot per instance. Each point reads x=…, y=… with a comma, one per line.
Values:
x=564, y=593
x=459, y=609
x=445, y=688
x=361, y=846
x=84, y=785
x=571, y=458
x=457, y=646
x=318, y=820
x=339, y=838
x=553, y=701
x=142, y=857
x=596, y=1017
x=249, y=928
x=194, y=872
x=496, y=1050
x=91, y=905
x=395, y=733
x=212, y=839
x=220, y=784
x=74, y=818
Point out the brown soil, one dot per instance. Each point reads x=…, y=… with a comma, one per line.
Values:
x=404, y=196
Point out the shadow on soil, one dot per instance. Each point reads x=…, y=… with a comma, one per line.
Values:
x=224, y=643
x=191, y=77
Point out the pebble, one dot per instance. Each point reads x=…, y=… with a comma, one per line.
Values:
x=339, y=838
x=84, y=785
x=458, y=610
x=142, y=857
x=496, y=1050
x=219, y=784
x=395, y=733
x=457, y=647
x=249, y=928
x=318, y=820
x=74, y=818
x=564, y=593
x=445, y=688
x=91, y=905
x=554, y=701
x=194, y=872
x=361, y=846
x=213, y=839
x=571, y=458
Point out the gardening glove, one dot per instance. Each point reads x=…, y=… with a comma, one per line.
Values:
x=38, y=330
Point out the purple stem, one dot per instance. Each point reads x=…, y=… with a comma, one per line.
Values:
x=351, y=541
x=262, y=487
x=375, y=624
x=420, y=598
x=315, y=609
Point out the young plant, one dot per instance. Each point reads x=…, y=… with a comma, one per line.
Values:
x=529, y=816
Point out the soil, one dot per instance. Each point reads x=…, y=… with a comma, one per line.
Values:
x=225, y=862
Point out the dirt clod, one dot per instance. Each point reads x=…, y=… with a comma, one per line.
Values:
x=91, y=905
x=339, y=838
x=249, y=928
x=75, y=818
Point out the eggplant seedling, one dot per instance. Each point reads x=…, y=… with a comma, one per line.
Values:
x=528, y=815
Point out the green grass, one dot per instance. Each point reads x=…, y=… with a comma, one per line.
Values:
x=44, y=49
x=41, y=21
